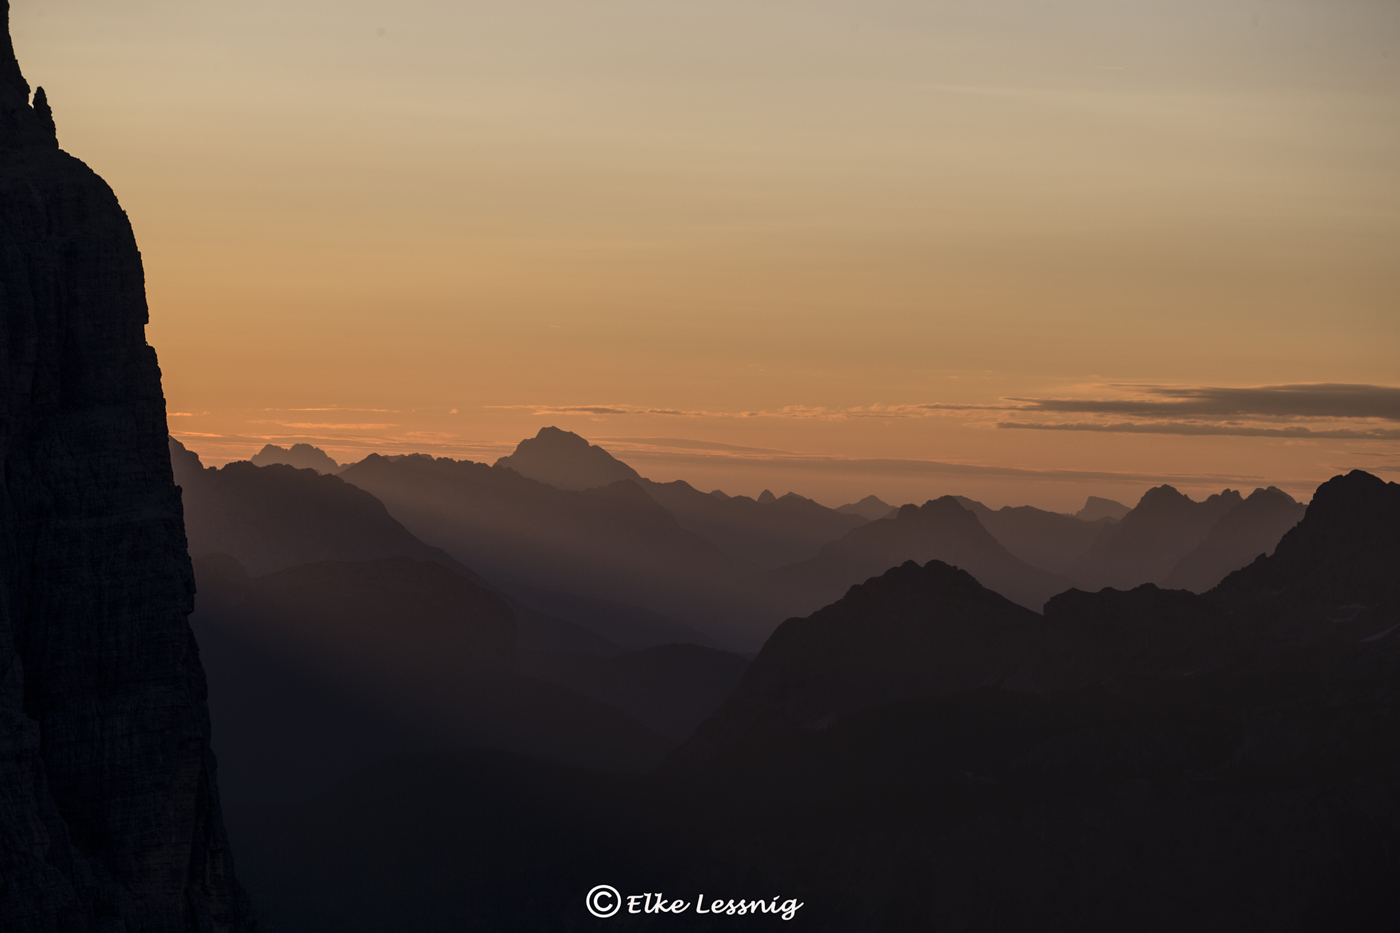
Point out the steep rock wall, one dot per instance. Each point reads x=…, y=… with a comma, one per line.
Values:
x=109, y=813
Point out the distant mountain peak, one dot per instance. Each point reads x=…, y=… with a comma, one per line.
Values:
x=766, y=497
x=942, y=509
x=1163, y=494
x=871, y=507
x=301, y=456
x=1097, y=508
x=565, y=460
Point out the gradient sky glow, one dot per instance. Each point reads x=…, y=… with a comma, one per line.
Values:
x=750, y=244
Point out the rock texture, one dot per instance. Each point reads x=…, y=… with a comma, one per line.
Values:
x=109, y=811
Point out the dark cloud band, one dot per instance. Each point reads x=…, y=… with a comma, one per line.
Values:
x=1193, y=428
x=1315, y=400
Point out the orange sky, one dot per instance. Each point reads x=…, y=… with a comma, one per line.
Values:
x=745, y=242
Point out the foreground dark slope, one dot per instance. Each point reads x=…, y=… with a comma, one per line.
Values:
x=925, y=755
x=109, y=811
x=322, y=668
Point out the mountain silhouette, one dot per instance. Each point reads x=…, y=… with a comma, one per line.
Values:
x=1251, y=528
x=910, y=631
x=110, y=815
x=278, y=516
x=1096, y=508
x=1346, y=548
x=925, y=754
x=1273, y=711
x=1151, y=540
x=1336, y=567
x=612, y=545
x=567, y=461
x=1047, y=540
x=769, y=532
x=275, y=517
x=941, y=529
x=871, y=507
x=301, y=456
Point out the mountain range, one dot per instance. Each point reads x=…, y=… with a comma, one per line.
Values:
x=926, y=754
x=769, y=531
x=941, y=529
x=572, y=551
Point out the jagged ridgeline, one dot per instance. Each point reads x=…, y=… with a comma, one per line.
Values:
x=109, y=812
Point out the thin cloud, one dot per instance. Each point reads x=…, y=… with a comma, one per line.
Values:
x=327, y=426
x=605, y=410
x=380, y=411
x=1304, y=400
x=681, y=443
x=800, y=412
x=1197, y=428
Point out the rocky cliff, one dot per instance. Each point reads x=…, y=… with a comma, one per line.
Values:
x=109, y=810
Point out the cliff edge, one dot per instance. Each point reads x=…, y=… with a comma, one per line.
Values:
x=109, y=809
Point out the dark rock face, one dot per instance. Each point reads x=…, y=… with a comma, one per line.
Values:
x=109, y=812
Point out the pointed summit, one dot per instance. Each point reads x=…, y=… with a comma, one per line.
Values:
x=871, y=507
x=20, y=124
x=566, y=461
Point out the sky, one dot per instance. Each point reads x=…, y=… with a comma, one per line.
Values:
x=1020, y=250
